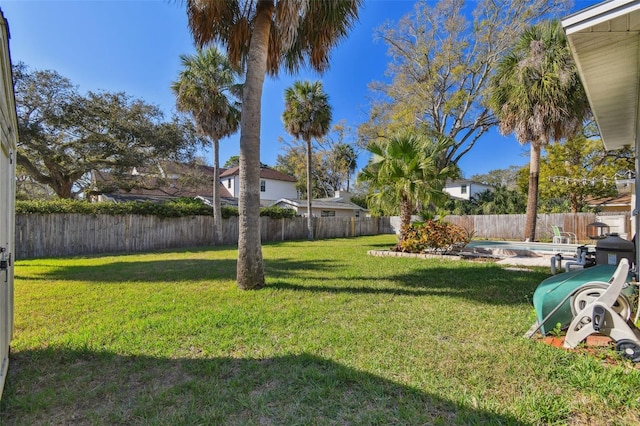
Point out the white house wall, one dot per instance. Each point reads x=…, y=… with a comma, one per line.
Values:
x=456, y=191
x=472, y=190
x=277, y=189
x=232, y=183
x=274, y=189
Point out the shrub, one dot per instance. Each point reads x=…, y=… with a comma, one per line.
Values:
x=229, y=211
x=175, y=208
x=275, y=212
x=434, y=236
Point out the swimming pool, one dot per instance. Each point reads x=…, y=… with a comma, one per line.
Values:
x=518, y=248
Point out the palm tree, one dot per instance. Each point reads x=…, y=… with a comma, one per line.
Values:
x=307, y=115
x=405, y=172
x=537, y=95
x=206, y=89
x=345, y=157
x=264, y=35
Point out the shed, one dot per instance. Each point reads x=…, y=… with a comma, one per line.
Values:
x=8, y=142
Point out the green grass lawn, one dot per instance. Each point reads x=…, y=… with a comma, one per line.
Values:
x=336, y=337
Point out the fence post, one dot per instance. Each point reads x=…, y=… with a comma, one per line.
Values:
x=127, y=219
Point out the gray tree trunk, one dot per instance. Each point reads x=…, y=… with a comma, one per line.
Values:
x=532, y=197
x=309, y=193
x=217, y=211
x=250, y=268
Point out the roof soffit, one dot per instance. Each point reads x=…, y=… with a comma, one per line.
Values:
x=605, y=43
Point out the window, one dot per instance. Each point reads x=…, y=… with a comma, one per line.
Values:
x=229, y=183
x=327, y=213
x=463, y=189
x=263, y=185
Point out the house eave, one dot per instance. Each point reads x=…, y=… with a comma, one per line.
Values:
x=605, y=42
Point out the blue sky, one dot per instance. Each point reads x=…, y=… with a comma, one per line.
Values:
x=134, y=46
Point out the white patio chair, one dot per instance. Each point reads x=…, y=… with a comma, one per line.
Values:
x=563, y=237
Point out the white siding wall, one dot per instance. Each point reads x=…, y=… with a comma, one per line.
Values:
x=471, y=190
x=232, y=184
x=617, y=224
x=456, y=191
x=276, y=189
x=8, y=140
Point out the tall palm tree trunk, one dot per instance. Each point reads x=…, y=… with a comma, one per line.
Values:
x=309, y=193
x=532, y=198
x=250, y=268
x=217, y=211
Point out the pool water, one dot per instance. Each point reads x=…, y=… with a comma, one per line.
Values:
x=517, y=248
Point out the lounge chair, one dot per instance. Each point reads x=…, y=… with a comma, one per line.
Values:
x=563, y=237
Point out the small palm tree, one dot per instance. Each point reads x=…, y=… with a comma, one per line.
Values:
x=537, y=95
x=405, y=172
x=207, y=90
x=307, y=115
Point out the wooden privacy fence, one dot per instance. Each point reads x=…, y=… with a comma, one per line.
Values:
x=511, y=226
x=49, y=235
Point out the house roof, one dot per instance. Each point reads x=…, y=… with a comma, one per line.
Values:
x=620, y=200
x=224, y=201
x=265, y=173
x=175, y=168
x=152, y=186
x=467, y=182
x=321, y=203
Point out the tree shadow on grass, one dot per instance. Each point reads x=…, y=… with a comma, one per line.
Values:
x=485, y=284
x=183, y=270
x=64, y=386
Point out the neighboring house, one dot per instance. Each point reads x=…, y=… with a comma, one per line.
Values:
x=465, y=189
x=620, y=203
x=163, y=182
x=615, y=212
x=338, y=206
x=273, y=184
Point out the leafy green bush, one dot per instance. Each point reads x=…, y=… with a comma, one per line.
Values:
x=275, y=212
x=175, y=208
x=434, y=236
x=229, y=211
